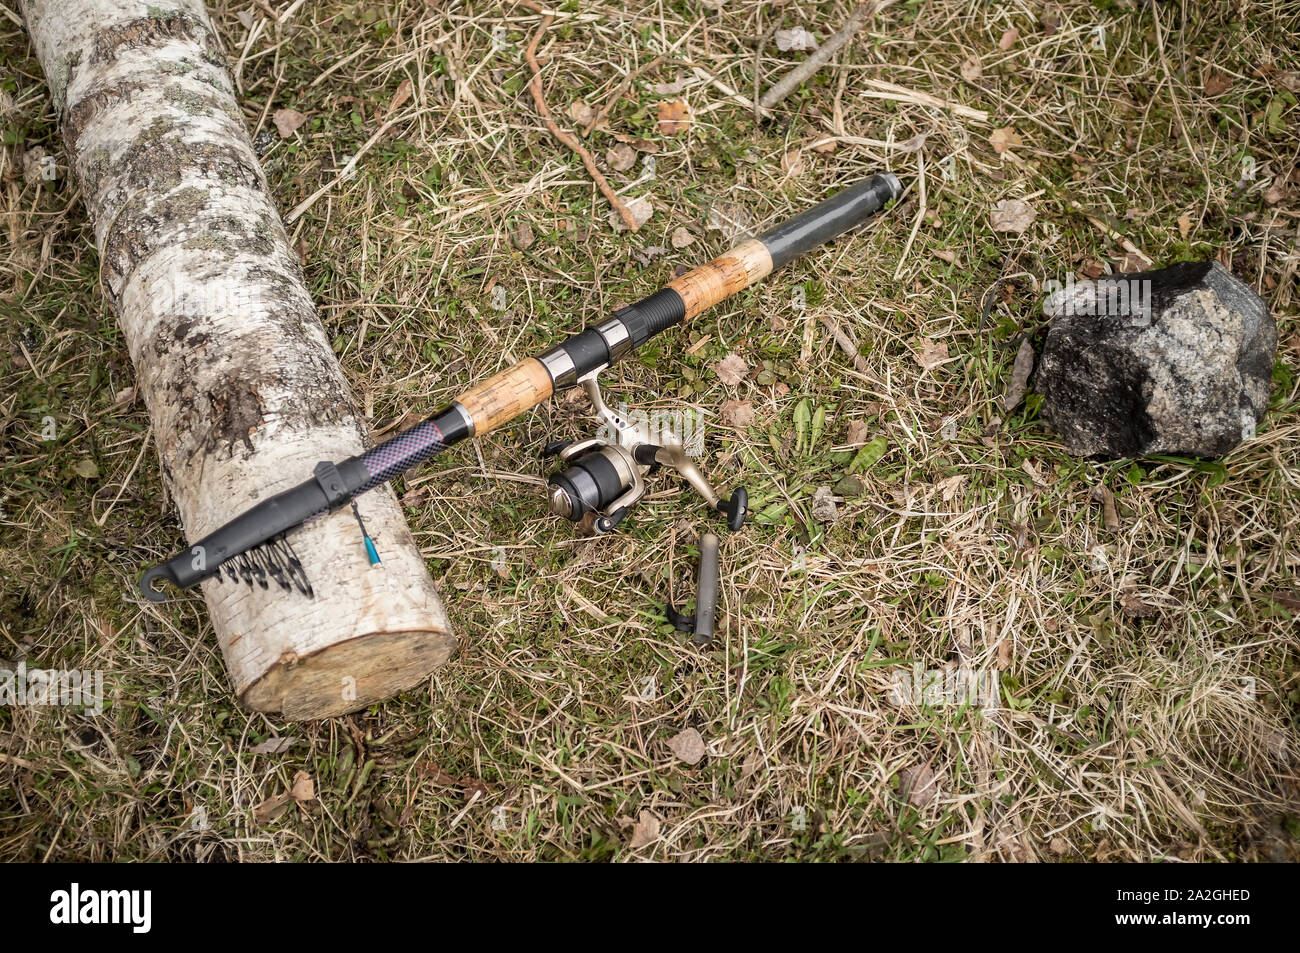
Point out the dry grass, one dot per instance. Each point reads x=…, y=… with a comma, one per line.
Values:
x=1128, y=728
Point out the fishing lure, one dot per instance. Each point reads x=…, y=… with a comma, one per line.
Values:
x=254, y=546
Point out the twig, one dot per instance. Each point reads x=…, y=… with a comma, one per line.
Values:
x=849, y=346
x=1110, y=233
x=879, y=89
x=535, y=87
x=763, y=37
x=623, y=87
x=788, y=83
x=920, y=214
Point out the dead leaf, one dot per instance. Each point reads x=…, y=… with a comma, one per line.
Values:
x=918, y=784
x=792, y=162
x=1109, y=515
x=674, y=117
x=1184, y=226
x=522, y=236
x=731, y=370
x=688, y=746
x=645, y=830
x=287, y=121
x=34, y=165
x=1216, y=84
x=1004, y=139
x=274, y=745
x=581, y=112
x=670, y=89
x=951, y=486
x=1008, y=39
x=1004, y=655
x=932, y=353
x=681, y=238
x=1020, y=371
x=86, y=469
x=947, y=255
x=824, y=509
x=1276, y=192
x=620, y=157
x=641, y=210
x=971, y=69
x=737, y=413
x=400, y=97
x=304, y=789
x=270, y=809
x=859, y=431
x=797, y=39
x=1012, y=215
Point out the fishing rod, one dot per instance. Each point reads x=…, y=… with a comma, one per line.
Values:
x=254, y=547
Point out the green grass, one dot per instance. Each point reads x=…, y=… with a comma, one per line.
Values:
x=539, y=718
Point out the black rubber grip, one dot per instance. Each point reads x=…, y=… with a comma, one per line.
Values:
x=651, y=315
x=587, y=350
x=263, y=522
x=833, y=217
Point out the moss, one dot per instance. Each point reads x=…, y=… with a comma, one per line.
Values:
x=177, y=67
x=189, y=101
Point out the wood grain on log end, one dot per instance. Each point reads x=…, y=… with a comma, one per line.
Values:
x=348, y=676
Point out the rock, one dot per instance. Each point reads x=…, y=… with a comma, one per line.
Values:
x=1174, y=361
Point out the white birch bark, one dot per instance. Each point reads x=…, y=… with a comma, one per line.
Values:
x=239, y=377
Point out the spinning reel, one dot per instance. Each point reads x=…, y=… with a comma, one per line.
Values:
x=601, y=479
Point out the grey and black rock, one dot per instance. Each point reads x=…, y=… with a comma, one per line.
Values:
x=1175, y=361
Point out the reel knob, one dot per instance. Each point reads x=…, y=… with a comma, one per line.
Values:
x=736, y=508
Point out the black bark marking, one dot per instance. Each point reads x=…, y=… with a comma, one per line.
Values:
x=79, y=115
x=236, y=412
x=151, y=31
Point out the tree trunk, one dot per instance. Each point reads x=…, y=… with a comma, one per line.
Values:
x=241, y=383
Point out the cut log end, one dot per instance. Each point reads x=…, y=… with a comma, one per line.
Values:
x=348, y=676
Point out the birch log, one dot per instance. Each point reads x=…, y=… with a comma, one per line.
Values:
x=239, y=377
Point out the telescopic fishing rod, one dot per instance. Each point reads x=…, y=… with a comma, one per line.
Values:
x=254, y=546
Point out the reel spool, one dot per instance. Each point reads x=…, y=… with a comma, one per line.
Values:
x=601, y=480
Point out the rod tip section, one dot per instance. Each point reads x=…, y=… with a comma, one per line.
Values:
x=895, y=187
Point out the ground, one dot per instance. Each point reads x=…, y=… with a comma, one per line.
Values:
x=1146, y=657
